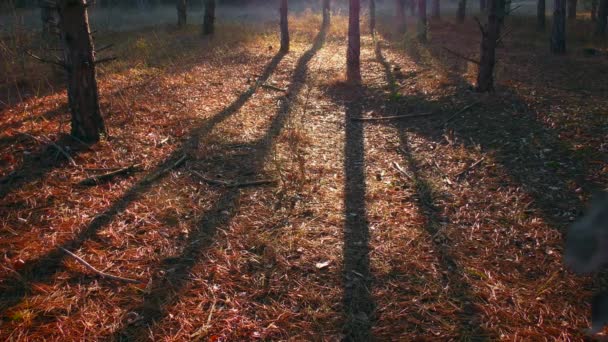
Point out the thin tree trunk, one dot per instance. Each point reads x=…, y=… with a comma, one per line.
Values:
x=436, y=9
x=594, y=10
x=485, y=77
x=48, y=17
x=353, y=54
x=422, y=28
x=558, y=33
x=209, y=19
x=541, y=21
x=79, y=57
x=462, y=6
x=284, y=26
x=602, y=14
x=483, y=4
x=413, y=5
x=182, y=14
x=326, y=13
x=372, y=16
x=572, y=9
x=400, y=16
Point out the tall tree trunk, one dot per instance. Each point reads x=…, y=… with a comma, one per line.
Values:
x=353, y=54
x=400, y=16
x=602, y=14
x=372, y=16
x=483, y=4
x=413, y=5
x=594, y=10
x=79, y=58
x=422, y=28
x=182, y=13
x=541, y=15
x=487, y=61
x=572, y=9
x=209, y=19
x=284, y=26
x=558, y=33
x=48, y=16
x=462, y=7
x=326, y=13
x=436, y=9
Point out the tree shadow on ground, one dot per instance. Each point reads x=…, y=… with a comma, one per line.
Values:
x=454, y=279
x=357, y=301
x=43, y=268
x=165, y=290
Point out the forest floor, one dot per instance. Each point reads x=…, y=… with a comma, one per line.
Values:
x=261, y=208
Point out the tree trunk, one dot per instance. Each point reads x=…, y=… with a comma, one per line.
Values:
x=436, y=9
x=483, y=5
x=372, y=16
x=462, y=6
x=572, y=9
x=326, y=13
x=79, y=57
x=541, y=15
x=48, y=16
x=487, y=61
x=284, y=26
x=400, y=16
x=209, y=19
x=594, y=10
x=182, y=14
x=602, y=14
x=353, y=54
x=413, y=5
x=558, y=33
x=422, y=28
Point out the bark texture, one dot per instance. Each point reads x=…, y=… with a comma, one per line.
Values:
x=209, y=19
x=353, y=54
x=487, y=61
x=602, y=14
x=284, y=26
x=572, y=9
x=182, y=13
x=461, y=12
x=422, y=25
x=326, y=12
x=558, y=33
x=541, y=21
x=79, y=58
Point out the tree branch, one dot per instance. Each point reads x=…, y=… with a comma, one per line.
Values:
x=457, y=54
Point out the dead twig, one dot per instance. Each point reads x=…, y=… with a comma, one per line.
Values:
x=44, y=60
x=160, y=173
x=401, y=170
x=460, y=112
x=233, y=184
x=472, y=166
x=57, y=147
x=94, y=180
x=96, y=271
x=269, y=86
x=394, y=117
x=458, y=54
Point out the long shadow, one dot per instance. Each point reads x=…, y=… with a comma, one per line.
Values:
x=359, y=307
x=165, y=291
x=459, y=288
x=43, y=268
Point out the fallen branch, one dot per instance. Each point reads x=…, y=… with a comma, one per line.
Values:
x=458, y=54
x=57, y=147
x=94, y=180
x=104, y=60
x=460, y=112
x=160, y=173
x=48, y=61
x=268, y=86
x=472, y=166
x=394, y=117
x=233, y=184
x=401, y=170
x=99, y=273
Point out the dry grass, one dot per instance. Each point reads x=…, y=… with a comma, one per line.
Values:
x=450, y=257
